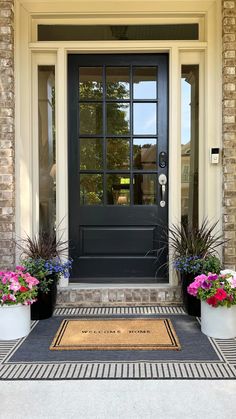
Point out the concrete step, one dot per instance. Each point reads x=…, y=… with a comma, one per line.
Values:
x=76, y=295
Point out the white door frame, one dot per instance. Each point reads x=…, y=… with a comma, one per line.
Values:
x=29, y=53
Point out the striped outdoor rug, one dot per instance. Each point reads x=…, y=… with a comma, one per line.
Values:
x=223, y=366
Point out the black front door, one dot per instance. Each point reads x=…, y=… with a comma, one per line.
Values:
x=118, y=140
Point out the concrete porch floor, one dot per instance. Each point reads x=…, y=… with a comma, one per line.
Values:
x=118, y=399
x=126, y=399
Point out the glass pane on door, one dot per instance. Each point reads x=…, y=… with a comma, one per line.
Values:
x=91, y=189
x=118, y=189
x=118, y=154
x=117, y=83
x=144, y=118
x=144, y=153
x=90, y=83
x=145, y=82
x=144, y=189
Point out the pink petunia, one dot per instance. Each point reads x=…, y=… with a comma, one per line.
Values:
x=197, y=283
x=31, y=281
x=201, y=277
x=15, y=286
x=8, y=297
x=20, y=268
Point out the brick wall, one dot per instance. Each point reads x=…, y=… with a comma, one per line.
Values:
x=229, y=130
x=7, y=213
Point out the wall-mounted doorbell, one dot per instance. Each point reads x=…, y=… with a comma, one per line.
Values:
x=215, y=155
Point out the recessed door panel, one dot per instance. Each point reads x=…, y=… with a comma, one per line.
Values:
x=106, y=240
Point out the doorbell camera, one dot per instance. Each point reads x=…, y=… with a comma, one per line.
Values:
x=215, y=155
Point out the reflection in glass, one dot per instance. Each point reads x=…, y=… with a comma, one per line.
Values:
x=144, y=119
x=118, y=154
x=144, y=152
x=117, y=82
x=90, y=118
x=69, y=32
x=144, y=189
x=144, y=82
x=90, y=153
x=118, y=118
x=118, y=189
x=91, y=189
x=90, y=82
x=47, y=146
x=189, y=143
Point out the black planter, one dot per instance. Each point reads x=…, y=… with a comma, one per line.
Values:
x=192, y=305
x=45, y=304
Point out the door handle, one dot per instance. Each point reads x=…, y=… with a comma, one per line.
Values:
x=162, y=179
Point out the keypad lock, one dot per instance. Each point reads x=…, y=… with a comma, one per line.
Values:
x=162, y=179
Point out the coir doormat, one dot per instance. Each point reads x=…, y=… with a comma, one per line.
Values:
x=116, y=334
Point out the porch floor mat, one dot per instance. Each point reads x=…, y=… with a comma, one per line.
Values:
x=116, y=334
x=200, y=357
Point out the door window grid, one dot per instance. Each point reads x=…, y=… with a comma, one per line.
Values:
x=124, y=132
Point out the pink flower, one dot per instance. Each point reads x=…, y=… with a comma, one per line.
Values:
x=20, y=268
x=15, y=286
x=8, y=297
x=197, y=283
x=201, y=277
x=4, y=279
x=232, y=282
x=31, y=281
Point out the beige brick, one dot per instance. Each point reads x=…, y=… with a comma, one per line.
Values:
x=229, y=103
x=229, y=87
x=229, y=21
x=229, y=54
x=229, y=119
x=229, y=70
x=229, y=37
x=229, y=4
x=7, y=204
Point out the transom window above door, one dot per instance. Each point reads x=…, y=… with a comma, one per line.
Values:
x=118, y=134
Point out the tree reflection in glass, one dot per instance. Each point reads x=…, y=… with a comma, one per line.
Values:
x=91, y=189
x=118, y=154
x=90, y=83
x=117, y=83
x=91, y=153
x=90, y=118
x=118, y=118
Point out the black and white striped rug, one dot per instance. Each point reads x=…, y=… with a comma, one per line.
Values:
x=201, y=358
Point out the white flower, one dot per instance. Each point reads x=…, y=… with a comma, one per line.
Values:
x=228, y=272
x=232, y=279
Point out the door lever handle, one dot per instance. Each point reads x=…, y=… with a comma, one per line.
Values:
x=162, y=181
x=163, y=190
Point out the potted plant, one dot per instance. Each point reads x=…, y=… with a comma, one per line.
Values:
x=18, y=290
x=193, y=251
x=189, y=267
x=217, y=293
x=43, y=257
